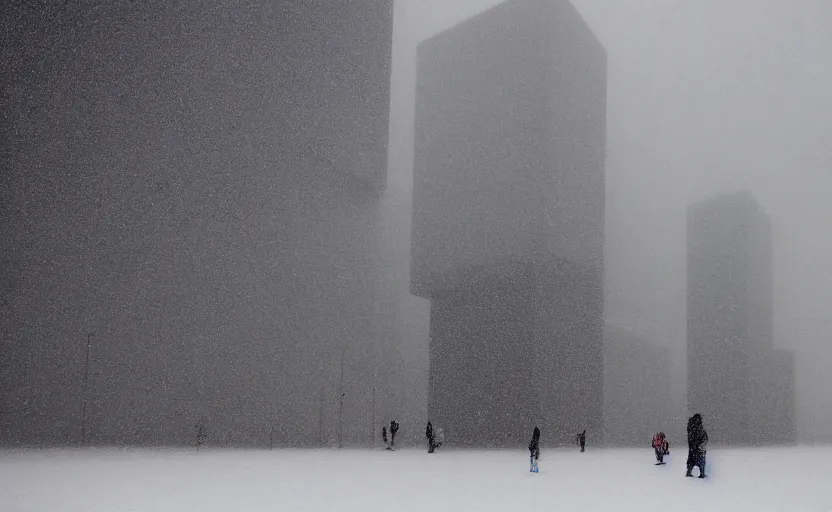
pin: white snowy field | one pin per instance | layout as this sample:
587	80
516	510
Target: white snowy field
787	479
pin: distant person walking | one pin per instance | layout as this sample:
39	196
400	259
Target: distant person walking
582	440
429	434
661	447
439	439
697	445
534	451
394	427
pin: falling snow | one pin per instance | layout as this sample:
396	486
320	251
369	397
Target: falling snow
282	225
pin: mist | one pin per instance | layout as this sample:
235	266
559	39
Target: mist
707	98
223	248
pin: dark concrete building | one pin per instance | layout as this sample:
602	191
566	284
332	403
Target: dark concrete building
638	398
194	189
508	223
733	370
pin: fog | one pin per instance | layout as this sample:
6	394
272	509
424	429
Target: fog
706	98
218	283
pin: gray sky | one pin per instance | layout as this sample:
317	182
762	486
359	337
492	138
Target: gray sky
705	96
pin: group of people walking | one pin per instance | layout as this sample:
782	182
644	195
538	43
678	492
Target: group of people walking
391	443
697	444
534	448
434	438
697	447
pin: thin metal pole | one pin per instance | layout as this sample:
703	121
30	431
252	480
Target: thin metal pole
373	422
86	391
341	401
321	420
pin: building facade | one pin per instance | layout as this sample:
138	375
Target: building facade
638	397
192	232
733	369
508	223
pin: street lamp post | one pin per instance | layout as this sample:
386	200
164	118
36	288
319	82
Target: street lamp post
321	418
373	415
341	401
86	391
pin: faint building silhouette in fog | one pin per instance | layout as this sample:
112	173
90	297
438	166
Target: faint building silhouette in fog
736	379
638	394
199	187
772	416
508	223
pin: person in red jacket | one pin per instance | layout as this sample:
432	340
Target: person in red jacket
661	447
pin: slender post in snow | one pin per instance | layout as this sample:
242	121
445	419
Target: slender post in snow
321	420
341	401
373	420
86	391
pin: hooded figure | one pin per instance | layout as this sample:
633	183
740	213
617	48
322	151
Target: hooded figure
697	445
394	427
582	440
534	450
429	434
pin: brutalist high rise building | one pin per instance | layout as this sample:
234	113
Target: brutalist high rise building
508	223
742	385
191	232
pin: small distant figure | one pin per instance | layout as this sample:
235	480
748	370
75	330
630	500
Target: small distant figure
431	438
200	436
582	440
697	445
435	439
394	427
384	437
534	451
661	447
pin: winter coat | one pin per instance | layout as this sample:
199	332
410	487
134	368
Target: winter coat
660	443
394	427
429	431
534	444
697	436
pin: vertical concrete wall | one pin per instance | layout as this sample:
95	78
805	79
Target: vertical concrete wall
508	219
197	186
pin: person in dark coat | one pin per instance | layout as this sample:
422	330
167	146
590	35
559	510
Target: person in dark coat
697	445
384	437
534	450
394	427
582	440
431	438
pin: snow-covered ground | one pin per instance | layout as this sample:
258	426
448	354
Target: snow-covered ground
787	479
